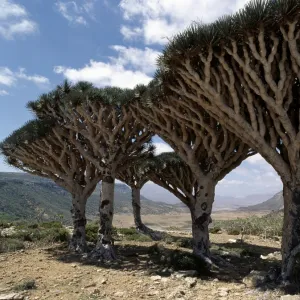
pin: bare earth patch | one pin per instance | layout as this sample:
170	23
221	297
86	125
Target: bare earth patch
140	273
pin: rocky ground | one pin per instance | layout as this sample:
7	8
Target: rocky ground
144	271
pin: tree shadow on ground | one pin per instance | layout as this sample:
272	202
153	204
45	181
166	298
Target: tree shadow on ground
164	258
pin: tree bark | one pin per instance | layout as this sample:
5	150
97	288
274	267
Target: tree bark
291	231
136	206
78	240
201	218
104	248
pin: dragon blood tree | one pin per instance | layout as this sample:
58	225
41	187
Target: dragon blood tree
209	149
115	139
136	175
169	171
244	70
41	149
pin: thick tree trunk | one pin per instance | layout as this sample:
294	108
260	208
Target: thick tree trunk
136	206
78	240
291	231
201	218
104	248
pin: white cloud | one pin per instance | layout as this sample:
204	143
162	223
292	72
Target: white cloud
104	74
37	79
162	147
14	20
9	78
160	20
143	60
253	176
130	67
256	159
76	12
6	76
3	93
130	33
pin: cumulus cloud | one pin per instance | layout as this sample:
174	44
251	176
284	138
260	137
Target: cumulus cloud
14	20
9	77
160	20
130	67
76	12
139	59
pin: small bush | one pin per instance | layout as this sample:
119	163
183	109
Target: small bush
131	234
26	285
215	229
52	224
59	235
185	242
91	231
10	245
187	261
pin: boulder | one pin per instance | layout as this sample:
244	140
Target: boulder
12	296
255	279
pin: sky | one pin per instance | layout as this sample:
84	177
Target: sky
106	42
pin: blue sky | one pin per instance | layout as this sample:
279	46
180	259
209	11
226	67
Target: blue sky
108	43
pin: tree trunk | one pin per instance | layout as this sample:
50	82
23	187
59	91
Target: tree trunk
201	218
136	206
291	231
104	248
78	240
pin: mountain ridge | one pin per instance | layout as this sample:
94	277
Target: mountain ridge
32	197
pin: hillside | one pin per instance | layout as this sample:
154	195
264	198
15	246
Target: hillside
273	204
24	196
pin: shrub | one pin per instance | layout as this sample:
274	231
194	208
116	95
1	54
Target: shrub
215	229
187	261
185	242
269	226
26	285
91	231
131	234
10	244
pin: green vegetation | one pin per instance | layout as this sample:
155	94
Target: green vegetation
119	234
27	197
20	232
10	245
28	284
269	226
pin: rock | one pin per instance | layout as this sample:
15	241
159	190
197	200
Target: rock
223	292
272	256
290	297
191	281
255	279
233	241
104	281
186	273
73	265
153	293
12	296
90	285
119	294
155	278
7	232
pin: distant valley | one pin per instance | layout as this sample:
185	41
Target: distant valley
23	196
